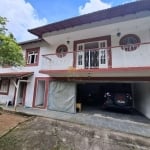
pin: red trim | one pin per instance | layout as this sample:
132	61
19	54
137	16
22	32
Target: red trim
131	44
37	49
107	38
6	66
61	54
97	70
86	79
144	43
16	74
46	79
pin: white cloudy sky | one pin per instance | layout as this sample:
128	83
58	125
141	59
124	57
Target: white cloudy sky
27	14
21	16
93	5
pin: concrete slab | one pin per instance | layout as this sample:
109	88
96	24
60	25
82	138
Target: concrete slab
121	124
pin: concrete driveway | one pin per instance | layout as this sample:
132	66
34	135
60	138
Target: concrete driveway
133	124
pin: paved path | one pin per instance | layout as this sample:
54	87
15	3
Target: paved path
99	120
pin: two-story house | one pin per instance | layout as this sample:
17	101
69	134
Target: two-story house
81	58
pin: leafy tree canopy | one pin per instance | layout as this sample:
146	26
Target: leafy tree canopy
10	51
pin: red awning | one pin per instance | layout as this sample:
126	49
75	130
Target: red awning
16	74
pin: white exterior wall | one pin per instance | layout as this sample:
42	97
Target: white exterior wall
137	58
142	98
30	92
55	62
4	98
120	58
44	49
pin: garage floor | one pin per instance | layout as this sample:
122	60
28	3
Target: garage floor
128	116
92	94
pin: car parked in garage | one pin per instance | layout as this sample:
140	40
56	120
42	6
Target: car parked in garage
118	101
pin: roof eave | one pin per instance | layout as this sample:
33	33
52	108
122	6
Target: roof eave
118	11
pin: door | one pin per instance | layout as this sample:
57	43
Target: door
22	93
80	56
103	55
92	55
40	99
103	60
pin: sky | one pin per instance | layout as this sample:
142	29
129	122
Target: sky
27	14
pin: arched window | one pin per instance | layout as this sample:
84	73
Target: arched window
61	51
130	42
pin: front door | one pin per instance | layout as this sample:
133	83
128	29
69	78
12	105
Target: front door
92	55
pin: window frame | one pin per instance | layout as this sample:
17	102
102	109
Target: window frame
96	49
28	56
129	46
61	54
7	88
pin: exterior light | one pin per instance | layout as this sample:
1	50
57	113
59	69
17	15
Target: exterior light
118	34
68	42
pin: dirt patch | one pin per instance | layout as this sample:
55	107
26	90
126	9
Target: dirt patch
42	133
9	120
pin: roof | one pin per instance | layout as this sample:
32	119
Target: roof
122	10
16	74
30	41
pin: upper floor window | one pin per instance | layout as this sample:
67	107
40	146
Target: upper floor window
61	51
32	56
4	86
92	54
130	42
92	45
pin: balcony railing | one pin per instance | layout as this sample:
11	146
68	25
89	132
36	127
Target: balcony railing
95	58
53	62
100	58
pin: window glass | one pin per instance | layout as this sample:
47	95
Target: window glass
103	44
4	85
91	45
61	51
130	42
32	56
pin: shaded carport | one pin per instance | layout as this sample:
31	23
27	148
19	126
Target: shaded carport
137	77
92	93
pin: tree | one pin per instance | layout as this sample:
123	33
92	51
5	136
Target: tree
10	51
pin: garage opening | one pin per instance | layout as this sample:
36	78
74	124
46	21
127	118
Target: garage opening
92	96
